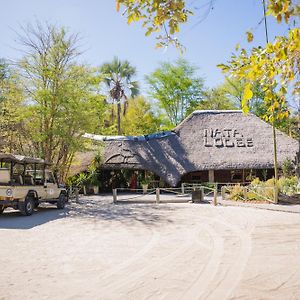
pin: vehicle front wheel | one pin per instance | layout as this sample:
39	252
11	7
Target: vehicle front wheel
1	209
27	206
61	202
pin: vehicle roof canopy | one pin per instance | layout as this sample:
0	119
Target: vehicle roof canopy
7	157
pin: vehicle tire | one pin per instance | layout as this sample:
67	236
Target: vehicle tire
61	202
27	206
67	198
1	209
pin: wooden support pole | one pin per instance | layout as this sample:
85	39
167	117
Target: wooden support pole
157	196
202	193
223	189
275	194
114	195
182	188
76	190
245	192
211	176
215	202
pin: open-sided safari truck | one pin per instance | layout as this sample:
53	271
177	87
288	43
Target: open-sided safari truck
26	182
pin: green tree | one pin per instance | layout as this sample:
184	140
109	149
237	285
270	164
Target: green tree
276	69
61	96
139	118
233	89
118	79
11	115
176	88
216	99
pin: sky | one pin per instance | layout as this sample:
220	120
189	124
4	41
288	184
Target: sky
209	38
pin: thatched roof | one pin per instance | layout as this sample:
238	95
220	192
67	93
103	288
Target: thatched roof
20	159
81	162
216	140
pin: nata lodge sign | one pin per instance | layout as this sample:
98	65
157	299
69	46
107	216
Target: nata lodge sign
226	138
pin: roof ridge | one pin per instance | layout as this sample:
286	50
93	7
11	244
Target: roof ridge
203	112
136	138
219	111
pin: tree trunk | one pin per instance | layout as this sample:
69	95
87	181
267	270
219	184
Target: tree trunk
298	153
119	117
275	164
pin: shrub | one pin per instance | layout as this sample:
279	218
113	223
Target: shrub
253	196
270	182
288	185
263	190
236	192
255	182
288	168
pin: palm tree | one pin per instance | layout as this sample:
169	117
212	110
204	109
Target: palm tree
118	78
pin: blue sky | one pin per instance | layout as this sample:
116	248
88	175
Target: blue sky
105	33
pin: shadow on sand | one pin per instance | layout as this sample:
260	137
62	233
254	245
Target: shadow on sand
12	219
95	208
148	214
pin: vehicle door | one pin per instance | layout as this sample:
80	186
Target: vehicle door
39	185
51	186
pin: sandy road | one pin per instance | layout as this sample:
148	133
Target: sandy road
97	250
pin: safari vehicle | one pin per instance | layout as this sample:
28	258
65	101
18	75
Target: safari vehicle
26	182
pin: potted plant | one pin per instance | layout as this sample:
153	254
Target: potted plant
94	182
82	181
145	183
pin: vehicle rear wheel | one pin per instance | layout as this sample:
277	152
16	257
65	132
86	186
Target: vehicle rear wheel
61	202
27	206
1	209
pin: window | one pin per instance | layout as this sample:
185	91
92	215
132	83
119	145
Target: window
237	175
49	177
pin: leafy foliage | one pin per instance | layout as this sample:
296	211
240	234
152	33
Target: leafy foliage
140	119
118	78
286	185
176	88
11	103
236	192
157	15
225	96
60	95
169	15
275	68
288	168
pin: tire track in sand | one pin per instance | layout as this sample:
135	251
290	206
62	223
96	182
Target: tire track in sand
134	276
160	293
210	285
208	273
139	254
226	284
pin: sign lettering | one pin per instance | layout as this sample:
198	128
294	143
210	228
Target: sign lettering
226	137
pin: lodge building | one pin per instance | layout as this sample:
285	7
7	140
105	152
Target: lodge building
208	146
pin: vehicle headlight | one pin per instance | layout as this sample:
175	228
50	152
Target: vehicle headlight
9	192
